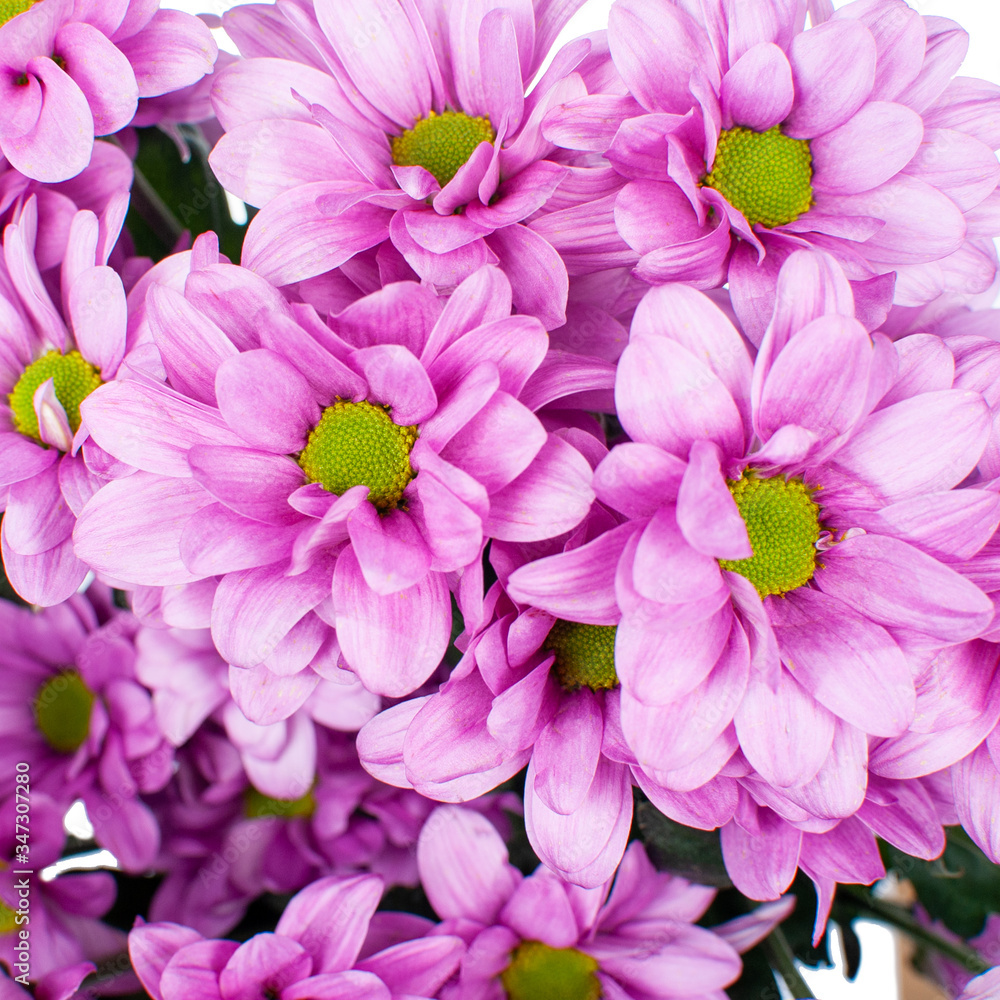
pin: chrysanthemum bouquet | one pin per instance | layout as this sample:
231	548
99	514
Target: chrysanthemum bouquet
549	553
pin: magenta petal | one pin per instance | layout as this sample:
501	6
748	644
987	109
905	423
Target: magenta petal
97	308
151	946
784	733
577	585
419	967
896	585
194	970
671	736
393	642
542	893
706	512
538	278
396	379
977	798
657	666
349	985
267	963
173	50
218	540
266	401
21	458
451	529
833	66
908	818
254	609
390	550
757	90
637	479
329	919
762	864
463	865
265	698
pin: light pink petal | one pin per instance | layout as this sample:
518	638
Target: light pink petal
867	150
329	919
656	47
927	443
151	946
156	510
537	273
419	967
48	578
254	609
393	642
848	853
667	737
194	969
463	865
784	733
833	66
396	379
451	528
400	314
668	397
567	752
542	894
846	661
904	814
757	90
60	143
838	787
637	479
37	516
293	238
946	48
576	585
103	72
961	166
98	313
552	496
152	427
586	845
762	864
266	698
706	511
389	548
658	666
896	585
218	540
172	51
266	401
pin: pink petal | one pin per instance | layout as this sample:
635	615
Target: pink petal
763	864
757	90
389	548
706	512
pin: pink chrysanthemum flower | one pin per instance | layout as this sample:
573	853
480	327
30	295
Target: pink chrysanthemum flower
745	137
529	937
72	69
330	475
312	952
61	916
407	125
75	713
796	568
51	358
106	177
536	687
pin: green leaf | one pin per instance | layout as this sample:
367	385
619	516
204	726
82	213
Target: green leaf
681	850
961	888
170	196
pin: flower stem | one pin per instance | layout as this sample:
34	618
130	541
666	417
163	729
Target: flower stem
779	954
898	916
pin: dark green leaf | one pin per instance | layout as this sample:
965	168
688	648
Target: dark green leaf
682	850
170	196
961	888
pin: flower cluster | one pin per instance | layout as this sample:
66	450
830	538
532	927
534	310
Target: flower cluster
580	427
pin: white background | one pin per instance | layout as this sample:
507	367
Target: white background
981	18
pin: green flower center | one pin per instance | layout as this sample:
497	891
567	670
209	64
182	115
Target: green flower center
441	143
62	711
538	972
357	444
11	8
585	655
766	175
257	804
8	923
783	524
73	379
